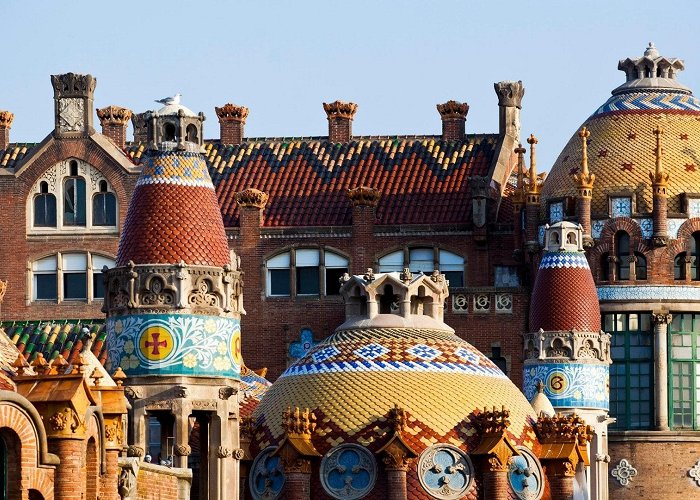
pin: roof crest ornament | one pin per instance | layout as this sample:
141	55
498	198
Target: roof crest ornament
651	71
660	177
585	179
535	181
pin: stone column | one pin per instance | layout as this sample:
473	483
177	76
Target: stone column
661	321
182	410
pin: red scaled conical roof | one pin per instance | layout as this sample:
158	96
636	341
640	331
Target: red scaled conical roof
564	296
174	214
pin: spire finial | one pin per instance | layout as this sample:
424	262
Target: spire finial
659	178
534	181
585	179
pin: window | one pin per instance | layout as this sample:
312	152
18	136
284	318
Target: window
424	260
679	266
104	207
506	276
684	397
631	372
44	207
87	201
315	272
69	276
694	256
640	266
622	248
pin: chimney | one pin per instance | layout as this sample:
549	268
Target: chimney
114	121
232	121
454	115
73	102
510	98
340	116
5	124
138	120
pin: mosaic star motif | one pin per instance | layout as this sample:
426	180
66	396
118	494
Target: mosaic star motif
371	351
423	351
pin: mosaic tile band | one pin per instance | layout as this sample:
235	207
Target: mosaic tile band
177	167
164	344
651	101
558	260
651	292
570	385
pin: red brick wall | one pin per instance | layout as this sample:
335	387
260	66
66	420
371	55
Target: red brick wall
662	468
70	484
154	485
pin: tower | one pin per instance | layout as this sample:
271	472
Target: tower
173	305
565	348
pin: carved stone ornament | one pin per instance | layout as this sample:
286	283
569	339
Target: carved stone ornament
623	472
661	318
6	119
525	475
181	391
134	451
231	113
510	93
369	275
406	275
266	479
348	471
694	472
226	392
223	452
364	196
183	450
493	422
58	421
204	405
114	115
114	433
127	484
340	109
453	109
133	392
71	114
445	472
253	198
73	84
238	454
203	296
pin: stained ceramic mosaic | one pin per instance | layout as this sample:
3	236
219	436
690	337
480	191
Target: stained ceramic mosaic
559	260
180	168
570	385
651	292
649	101
164	344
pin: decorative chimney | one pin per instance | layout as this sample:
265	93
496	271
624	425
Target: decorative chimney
232	121
510	98
139	121
340	116
73	102
454	116
114	120
6	119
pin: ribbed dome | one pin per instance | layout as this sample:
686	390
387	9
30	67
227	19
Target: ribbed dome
621	145
174	214
353	379
564	296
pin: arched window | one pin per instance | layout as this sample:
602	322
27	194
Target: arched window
169	132
104	207
74	198
694	256
192	133
423	259
44	207
622	248
679	266
315	272
10	464
640	266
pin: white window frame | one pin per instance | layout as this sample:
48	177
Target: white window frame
444	260
318	257
93	268
55	177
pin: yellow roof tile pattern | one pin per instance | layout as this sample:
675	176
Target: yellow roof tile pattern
621	155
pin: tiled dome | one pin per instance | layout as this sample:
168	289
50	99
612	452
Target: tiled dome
174	214
564	296
621	144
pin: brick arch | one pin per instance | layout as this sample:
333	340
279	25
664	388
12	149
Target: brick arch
684	233
18	415
595	255
626	224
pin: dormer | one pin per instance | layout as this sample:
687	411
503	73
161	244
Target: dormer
404	295
564	237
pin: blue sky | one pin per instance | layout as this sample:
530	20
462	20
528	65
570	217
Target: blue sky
395	59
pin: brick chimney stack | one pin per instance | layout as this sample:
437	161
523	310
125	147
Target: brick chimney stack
114	121
454	116
6	119
340	116
232	121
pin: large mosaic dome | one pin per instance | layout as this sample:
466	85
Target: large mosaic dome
374	363
622	143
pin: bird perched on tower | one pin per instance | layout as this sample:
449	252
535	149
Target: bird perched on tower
170	100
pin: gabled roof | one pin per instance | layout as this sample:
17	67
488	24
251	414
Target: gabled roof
422	179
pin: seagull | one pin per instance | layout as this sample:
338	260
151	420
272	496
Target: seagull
170	100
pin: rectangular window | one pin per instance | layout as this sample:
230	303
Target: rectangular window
631	373
74	276
391	263
307	261
506	276
452	266
104	210
45	286
684	349
45	210
422	259
74	201
278	281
